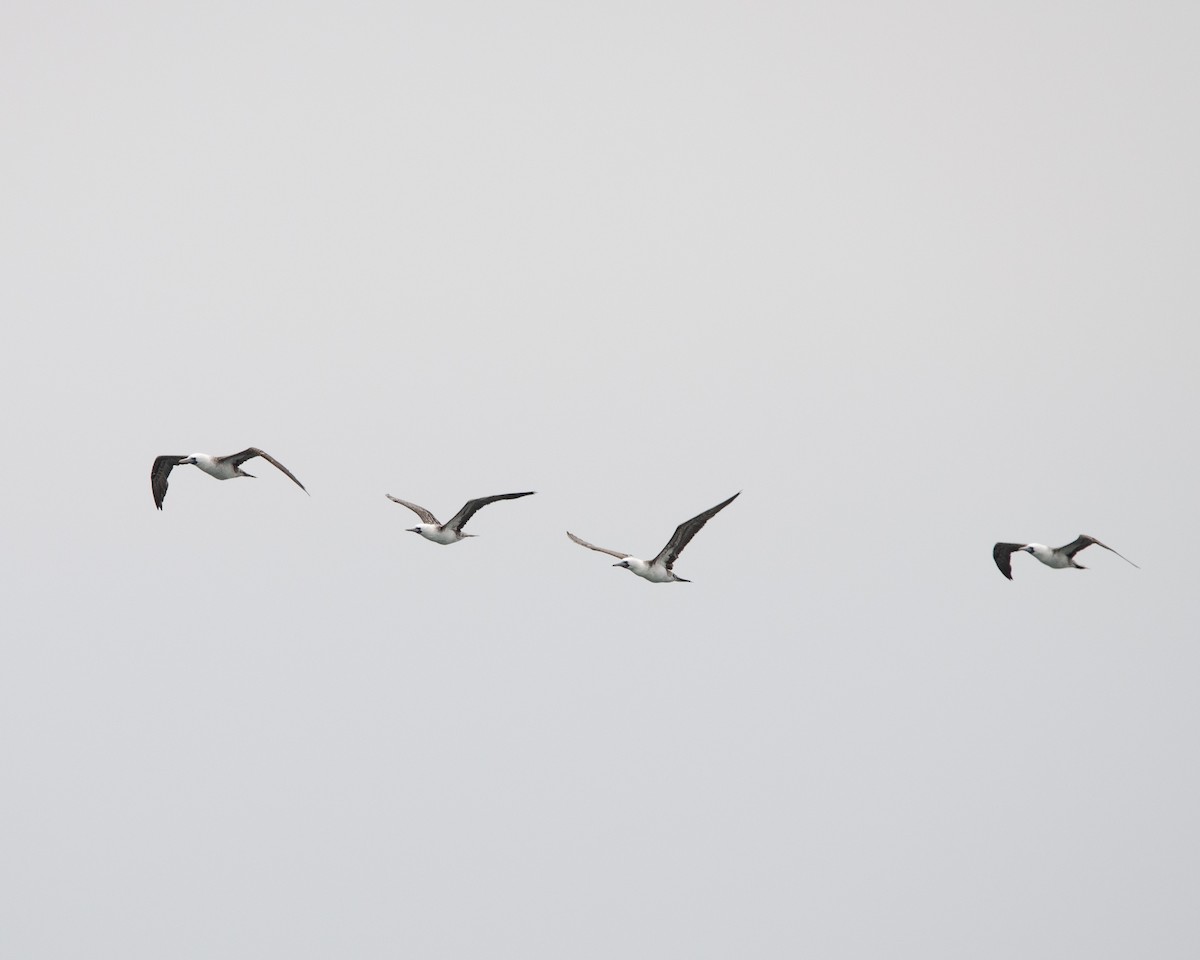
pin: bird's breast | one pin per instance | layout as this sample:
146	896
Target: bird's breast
222	471
444	537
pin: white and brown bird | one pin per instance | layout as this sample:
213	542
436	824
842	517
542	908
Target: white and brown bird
1058	557
223	468
451	531
660	569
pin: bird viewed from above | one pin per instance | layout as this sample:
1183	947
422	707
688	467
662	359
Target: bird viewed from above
223	468
1057	557
660	569
451	531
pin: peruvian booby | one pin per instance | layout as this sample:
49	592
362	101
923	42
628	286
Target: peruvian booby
659	570
1057	557
451	531
223	468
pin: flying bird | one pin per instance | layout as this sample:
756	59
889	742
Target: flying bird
660	569
223	468
451	531
1057	557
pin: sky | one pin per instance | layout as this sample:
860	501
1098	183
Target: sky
913	277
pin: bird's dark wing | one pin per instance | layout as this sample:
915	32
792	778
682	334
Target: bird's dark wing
1002	554
425	515
1082	541
237	459
158	475
1076	545
468	511
592	546
686	530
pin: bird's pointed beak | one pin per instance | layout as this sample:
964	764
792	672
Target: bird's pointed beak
413	530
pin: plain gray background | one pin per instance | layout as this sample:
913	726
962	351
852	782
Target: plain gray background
915	277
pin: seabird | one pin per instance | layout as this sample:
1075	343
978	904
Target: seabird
659	570
223	468
451	532
1057	557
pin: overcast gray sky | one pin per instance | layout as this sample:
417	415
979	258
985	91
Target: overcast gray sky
914	277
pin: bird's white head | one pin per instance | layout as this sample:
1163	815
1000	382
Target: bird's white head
636	566
419	528
188	459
